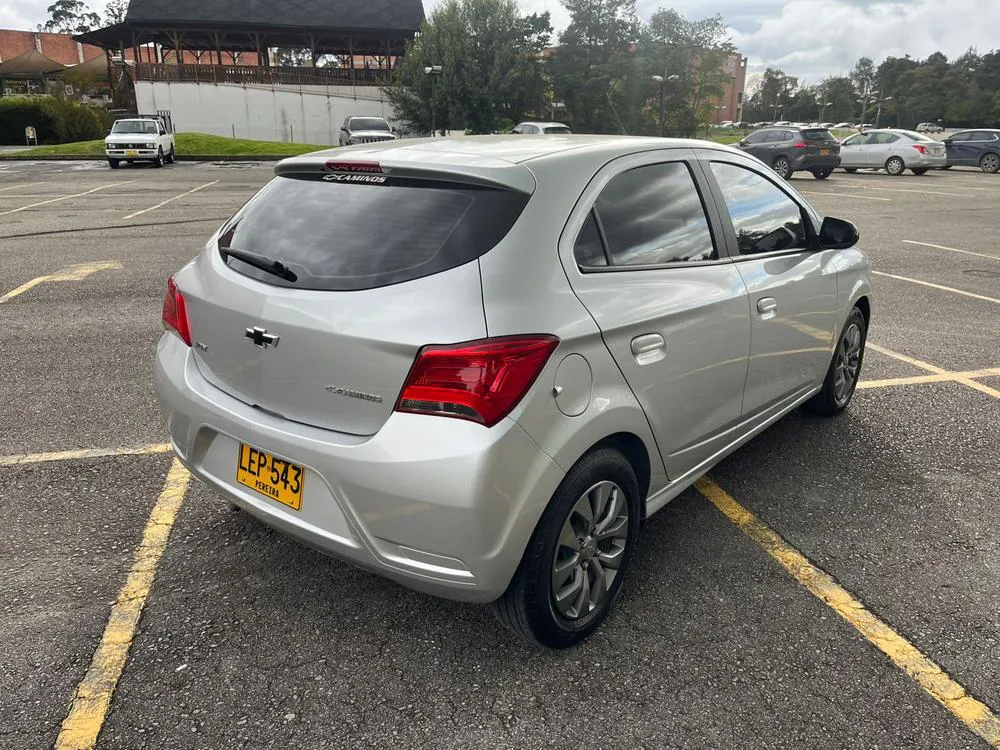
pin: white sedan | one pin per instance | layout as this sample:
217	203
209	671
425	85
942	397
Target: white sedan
892	150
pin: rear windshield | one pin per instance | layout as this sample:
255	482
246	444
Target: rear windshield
344	236
817	134
369	123
557	130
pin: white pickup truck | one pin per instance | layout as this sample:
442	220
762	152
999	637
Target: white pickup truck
141	138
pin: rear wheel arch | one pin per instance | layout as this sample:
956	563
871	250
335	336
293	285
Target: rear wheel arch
864	305
634	450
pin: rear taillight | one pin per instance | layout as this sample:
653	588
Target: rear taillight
175	312
801	144
481	381
921	148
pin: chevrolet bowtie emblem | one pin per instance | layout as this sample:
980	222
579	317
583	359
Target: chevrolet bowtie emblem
260	337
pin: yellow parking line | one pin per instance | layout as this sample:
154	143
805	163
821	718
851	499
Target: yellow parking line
938	378
37	458
168	200
957	377
975	715
73	273
937	286
953	249
63	198
90	702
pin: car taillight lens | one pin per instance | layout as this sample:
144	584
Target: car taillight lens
921	148
481	381
175	312
801	145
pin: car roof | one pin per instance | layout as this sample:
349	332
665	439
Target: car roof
497	159
541	124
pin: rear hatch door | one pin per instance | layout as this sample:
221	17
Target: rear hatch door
380	265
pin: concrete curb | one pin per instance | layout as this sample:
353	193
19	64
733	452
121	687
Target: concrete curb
186	157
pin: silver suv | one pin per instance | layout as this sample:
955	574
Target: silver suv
477	365
365	129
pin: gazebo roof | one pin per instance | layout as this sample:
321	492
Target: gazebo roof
30	64
335	26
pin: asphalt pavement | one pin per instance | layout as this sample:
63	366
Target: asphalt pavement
249	639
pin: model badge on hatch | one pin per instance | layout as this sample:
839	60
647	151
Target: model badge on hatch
340	391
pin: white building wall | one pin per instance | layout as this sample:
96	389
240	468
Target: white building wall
303	114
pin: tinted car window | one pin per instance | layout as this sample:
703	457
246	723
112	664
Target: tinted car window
343	235
817	136
557	130
589	250
758	137
764	217
773	136
883	139
654	215
369	123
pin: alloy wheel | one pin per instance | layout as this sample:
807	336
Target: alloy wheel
781	166
990	163
590	550
895	166
848	362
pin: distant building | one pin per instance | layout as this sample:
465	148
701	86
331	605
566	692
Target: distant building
731	102
59	47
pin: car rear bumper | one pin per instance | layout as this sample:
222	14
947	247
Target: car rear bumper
440	505
815	161
927	161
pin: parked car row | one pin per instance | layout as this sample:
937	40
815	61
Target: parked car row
810	149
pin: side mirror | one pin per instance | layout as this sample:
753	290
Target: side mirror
837	234
343	128
742	144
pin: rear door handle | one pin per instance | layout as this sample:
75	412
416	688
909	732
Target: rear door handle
648	348
767	307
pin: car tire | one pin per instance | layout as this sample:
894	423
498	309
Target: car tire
783	167
113	163
895	166
948	166
529	606
845	368
850	170
919	171
822	174
171	158
158	161
990	163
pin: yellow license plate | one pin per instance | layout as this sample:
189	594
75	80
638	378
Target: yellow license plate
824	152
270	476
131	152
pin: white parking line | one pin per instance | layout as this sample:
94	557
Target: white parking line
953	249
63	198
168	200
903	190
937	286
845	195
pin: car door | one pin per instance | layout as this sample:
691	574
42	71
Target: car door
854	151
792	288
672	308
974	147
755	144
880	147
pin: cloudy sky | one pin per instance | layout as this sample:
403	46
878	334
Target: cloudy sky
806	38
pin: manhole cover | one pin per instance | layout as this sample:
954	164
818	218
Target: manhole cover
982	272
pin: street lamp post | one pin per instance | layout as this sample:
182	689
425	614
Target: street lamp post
878	114
775	109
433	71
663	85
822	111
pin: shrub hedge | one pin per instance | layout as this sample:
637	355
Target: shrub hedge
55	119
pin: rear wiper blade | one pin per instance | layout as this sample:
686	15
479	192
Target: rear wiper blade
268	265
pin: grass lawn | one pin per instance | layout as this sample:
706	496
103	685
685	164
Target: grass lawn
187	143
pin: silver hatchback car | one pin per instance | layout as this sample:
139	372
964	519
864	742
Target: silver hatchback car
477	365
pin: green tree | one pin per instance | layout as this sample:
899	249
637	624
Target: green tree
71	17
773	93
594	67
490	70
115	11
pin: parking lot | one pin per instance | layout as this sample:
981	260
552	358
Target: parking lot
248	639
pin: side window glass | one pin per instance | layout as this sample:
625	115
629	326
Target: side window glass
774	136
889	137
788	135
653	215
589	250
764	217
